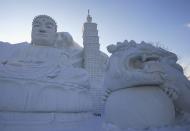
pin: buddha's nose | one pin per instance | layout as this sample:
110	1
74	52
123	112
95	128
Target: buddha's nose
42	31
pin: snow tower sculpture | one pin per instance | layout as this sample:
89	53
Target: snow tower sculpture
94	62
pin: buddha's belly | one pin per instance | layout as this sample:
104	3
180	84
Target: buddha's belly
139	107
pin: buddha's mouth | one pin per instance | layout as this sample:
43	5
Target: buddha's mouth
42	34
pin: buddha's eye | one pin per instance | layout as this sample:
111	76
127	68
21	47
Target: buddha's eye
37	24
49	25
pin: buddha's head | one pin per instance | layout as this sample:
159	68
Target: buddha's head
44	30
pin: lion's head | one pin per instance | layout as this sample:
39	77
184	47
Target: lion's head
135	65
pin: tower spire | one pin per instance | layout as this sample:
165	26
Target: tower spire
89	18
88	12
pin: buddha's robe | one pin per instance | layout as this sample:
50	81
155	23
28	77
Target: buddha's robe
39	78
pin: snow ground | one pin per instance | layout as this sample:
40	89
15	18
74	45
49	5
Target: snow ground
91	124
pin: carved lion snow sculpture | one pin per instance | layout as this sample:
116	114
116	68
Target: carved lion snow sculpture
144	86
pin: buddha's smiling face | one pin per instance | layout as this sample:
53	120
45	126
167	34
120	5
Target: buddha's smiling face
44	31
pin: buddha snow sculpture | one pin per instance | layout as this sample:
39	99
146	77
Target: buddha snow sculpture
144	86
39	77
44	30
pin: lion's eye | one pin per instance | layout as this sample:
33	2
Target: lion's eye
136	62
151	59
139	61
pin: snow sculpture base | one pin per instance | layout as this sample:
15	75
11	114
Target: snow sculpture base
41	118
42	121
139	107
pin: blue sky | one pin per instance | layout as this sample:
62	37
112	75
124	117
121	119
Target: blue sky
158	21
